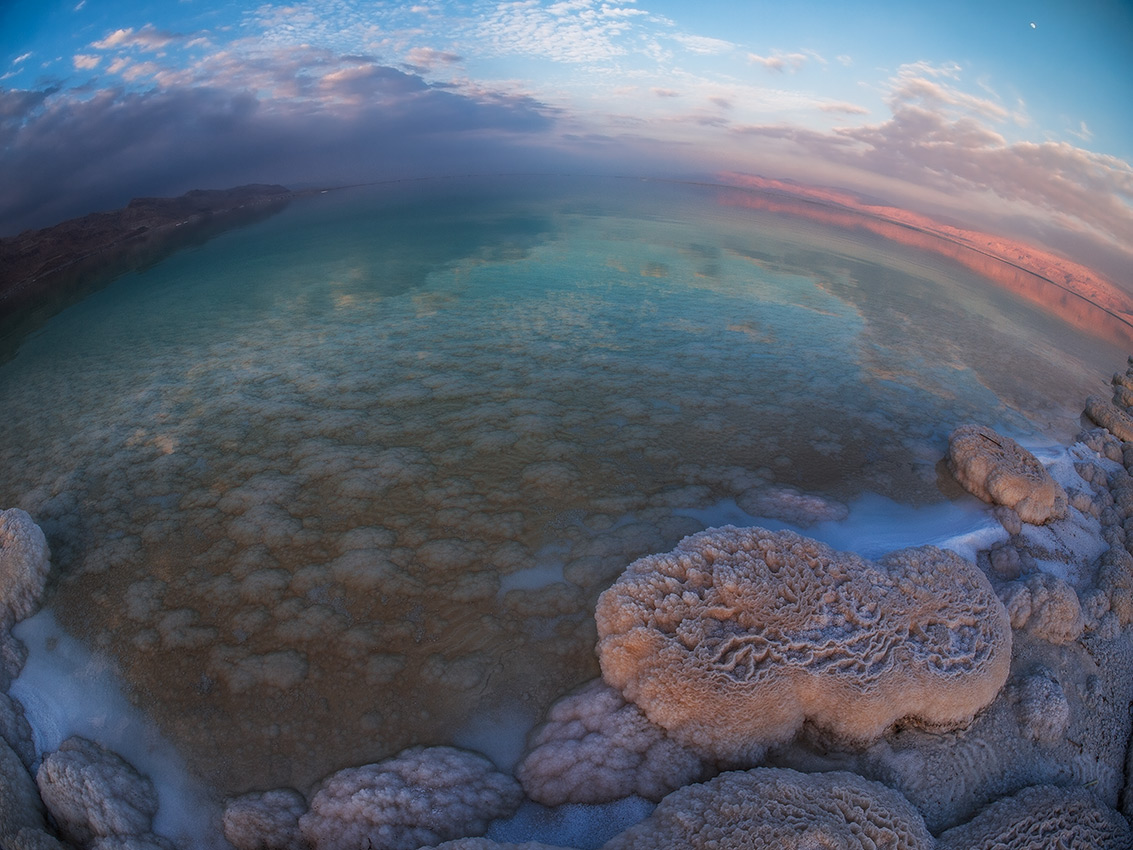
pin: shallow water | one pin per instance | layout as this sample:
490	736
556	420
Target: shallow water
351	479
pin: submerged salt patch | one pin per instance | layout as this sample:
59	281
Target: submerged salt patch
66	691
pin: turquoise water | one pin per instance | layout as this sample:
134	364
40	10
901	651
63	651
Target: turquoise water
352	478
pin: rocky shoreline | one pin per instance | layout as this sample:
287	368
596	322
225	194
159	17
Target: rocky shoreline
44	271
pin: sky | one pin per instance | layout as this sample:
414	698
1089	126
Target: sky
1009	114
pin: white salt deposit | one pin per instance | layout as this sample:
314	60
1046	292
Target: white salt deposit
67	690
876	524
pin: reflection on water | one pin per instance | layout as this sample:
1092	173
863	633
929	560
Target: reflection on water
352	478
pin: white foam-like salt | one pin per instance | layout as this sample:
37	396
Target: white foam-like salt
67	690
876	525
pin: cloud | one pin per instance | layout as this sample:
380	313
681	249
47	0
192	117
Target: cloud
666	92
68	155
570	31
427	58
779	62
703	44
85	62
21	58
1082	132
943	139
844	108
146	38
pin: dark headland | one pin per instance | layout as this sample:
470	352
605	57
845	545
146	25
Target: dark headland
44	271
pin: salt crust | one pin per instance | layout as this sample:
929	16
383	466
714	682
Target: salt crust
1042	818
736	637
768	807
24	564
996	469
595	747
265	820
421	797
93	793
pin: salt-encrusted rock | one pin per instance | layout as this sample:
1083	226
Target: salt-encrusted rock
1123	397
738	636
1041	706
265	820
24	564
1046	606
996	469
1115	579
20	806
1105	413
595	747
15	730
27	838
769	807
419	798
1042	817
93	793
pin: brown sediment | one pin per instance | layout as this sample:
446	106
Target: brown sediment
1075	293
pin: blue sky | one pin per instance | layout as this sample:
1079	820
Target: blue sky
1018	113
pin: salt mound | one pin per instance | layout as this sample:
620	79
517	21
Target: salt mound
768	807
996	469
265	820
1042	817
738	636
595	747
419	798
93	793
1110	416
24	563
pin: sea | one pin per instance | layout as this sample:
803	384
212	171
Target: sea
350	479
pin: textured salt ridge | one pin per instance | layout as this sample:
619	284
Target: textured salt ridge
739	636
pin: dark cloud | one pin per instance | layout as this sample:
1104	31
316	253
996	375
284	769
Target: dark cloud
67	156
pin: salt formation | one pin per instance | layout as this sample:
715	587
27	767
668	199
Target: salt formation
94	794
1114	419
998	470
735	638
595	747
768	807
1042	817
24	564
265	820
1041	706
20	804
421	797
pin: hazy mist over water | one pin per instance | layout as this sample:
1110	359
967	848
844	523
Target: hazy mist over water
351	479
